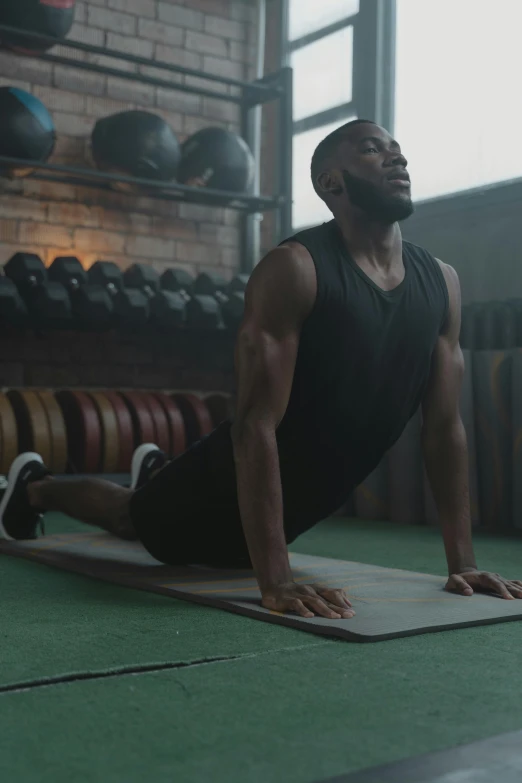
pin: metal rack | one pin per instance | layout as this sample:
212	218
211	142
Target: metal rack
247	95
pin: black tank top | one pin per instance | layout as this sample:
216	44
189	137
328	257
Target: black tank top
362	367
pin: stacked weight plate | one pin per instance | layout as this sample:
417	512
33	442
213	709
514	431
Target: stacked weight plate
96	431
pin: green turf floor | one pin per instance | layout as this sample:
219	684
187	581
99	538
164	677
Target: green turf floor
287	706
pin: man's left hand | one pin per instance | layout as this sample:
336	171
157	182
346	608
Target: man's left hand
467	582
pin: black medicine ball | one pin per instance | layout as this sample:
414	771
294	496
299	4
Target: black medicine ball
138	144
47	17
217	158
26	128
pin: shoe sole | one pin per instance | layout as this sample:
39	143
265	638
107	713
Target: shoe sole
14	470
137	459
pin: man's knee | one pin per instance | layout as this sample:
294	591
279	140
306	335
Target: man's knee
123	528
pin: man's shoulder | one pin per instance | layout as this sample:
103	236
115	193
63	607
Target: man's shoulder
416	249
420	253
310	232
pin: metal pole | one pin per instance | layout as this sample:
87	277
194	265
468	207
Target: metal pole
285	154
251	128
246	262
285	130
257	217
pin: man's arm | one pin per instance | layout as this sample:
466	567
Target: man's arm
280	294
445	452
444	438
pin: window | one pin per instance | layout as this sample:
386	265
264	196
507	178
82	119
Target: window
308	209
456	104
306	16
320	52
314	91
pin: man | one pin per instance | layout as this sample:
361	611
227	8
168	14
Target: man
347	330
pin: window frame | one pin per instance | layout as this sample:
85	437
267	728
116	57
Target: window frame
373	67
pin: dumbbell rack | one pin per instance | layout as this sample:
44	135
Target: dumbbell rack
248	95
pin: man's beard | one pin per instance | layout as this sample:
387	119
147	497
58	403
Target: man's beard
373	202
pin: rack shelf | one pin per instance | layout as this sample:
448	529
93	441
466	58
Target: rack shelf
167	191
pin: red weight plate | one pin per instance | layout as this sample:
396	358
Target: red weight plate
125	429
142	422
8	434
161	425
33	427
176	424
196	416
219	406
84	432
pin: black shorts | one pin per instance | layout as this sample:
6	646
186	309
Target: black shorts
182	518
188	513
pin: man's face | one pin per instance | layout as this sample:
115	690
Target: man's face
374	173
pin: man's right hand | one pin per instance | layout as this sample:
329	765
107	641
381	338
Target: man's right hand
308	600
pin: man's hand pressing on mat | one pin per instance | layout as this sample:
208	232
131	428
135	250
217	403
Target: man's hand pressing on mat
468	582
445	451
308	601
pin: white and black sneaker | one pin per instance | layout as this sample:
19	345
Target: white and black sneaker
146	460
19	520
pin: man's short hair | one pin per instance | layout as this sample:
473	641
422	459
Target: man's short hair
327	147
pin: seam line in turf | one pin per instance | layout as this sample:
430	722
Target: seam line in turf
123	671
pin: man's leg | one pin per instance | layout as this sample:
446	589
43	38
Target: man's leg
90	500
31	491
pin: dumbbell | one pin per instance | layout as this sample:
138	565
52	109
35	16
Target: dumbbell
130	306
202	311
229	295
234	309
167	308
178	281
13	311
47	302
91	305
238	283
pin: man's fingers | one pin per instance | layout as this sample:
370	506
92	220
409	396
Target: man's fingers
495	584
320	608
334	596
298	606
457	584
515	588
344	611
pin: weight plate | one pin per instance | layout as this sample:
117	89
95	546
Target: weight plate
8	434
84	433
161	425
57	429
125	429
33	428
110	441
142	422
176	424
195	415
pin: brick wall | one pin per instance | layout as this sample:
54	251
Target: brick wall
63	359
211	35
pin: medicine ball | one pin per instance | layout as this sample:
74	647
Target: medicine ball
26	129
47	17
216	158
137	144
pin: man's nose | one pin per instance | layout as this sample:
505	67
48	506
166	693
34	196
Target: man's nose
397	159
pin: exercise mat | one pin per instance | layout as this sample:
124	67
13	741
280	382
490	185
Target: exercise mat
389	602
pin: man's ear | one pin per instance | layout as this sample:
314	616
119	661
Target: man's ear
330	182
